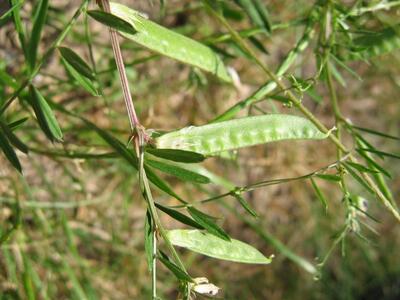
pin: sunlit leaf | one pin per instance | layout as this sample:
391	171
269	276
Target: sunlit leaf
210	245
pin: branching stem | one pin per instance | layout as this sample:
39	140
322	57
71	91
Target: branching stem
140	141
298	104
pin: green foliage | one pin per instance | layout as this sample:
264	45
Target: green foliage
45	116
178	172
37	28
76	62
210	245
208	223
82	199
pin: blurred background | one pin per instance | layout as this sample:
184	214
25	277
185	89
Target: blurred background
81	232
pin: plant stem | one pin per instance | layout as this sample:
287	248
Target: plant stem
267	88
133	119
139	139
298	104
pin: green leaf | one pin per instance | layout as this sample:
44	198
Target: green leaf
85	82
14	140
257	226
208	244
381	153
377	43
17	123
45	116
329	177
359	179
371	131
119	147
170	43
112	21
258	44
7	80
161	184
373	164
148	240
213	138
365	144
245	205
257	12
319	194
177	155
208	223
9	152
125	153
37	29
179	216
178	172
76	62
361	168
19	27
178	272
336	73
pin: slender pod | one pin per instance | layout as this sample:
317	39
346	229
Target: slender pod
214	138
169	43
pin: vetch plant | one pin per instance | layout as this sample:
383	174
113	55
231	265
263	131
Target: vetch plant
329	26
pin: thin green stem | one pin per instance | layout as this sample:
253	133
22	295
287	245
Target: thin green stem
139	138
298	104
296	101
267	88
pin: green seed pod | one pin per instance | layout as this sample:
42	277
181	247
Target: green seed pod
214	138
169	43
